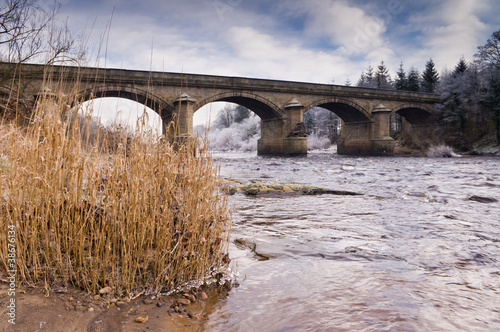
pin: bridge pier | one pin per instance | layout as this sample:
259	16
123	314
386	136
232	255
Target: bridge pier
355	138
295	141
382	142
368	138
182	118
284	136
184	109
271	137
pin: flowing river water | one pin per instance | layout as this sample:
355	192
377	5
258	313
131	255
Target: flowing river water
419	250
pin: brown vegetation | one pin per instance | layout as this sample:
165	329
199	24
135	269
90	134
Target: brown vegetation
138	216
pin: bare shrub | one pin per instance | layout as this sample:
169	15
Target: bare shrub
441	150
315	142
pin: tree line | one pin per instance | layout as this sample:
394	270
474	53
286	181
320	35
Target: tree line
411	81
469	111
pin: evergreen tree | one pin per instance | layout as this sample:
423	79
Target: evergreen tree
401	82
370	78
430	77
362	80
348	82
413	83
461	67
382	77
367	79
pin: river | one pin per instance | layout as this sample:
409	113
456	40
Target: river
419	250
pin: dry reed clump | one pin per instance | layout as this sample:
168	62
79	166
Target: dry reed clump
144	219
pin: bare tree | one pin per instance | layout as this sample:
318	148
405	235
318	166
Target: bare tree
488	58
489	54
31	33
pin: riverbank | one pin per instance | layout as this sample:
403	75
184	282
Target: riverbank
71	309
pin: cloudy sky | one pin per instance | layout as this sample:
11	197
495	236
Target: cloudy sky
321	41
304	40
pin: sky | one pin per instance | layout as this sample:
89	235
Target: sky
320	41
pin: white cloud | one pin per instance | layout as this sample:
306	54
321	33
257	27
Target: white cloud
311	40
346	26
450	30
283	59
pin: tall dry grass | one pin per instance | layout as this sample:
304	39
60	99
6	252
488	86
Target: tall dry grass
142	217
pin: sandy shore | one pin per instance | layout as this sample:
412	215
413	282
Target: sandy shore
73	310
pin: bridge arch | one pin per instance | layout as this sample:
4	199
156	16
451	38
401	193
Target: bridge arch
347	110
155	103
415	114
264	108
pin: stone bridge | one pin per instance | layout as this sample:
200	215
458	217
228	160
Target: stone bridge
365	112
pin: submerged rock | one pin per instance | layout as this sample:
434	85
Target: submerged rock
482	199
320	191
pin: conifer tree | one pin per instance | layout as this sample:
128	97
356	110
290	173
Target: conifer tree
362	80
461	67
370	77
430	77
413	83
401	82
382	78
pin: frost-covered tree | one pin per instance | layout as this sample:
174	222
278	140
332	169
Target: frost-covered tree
489	54
430	77
235	128
231	114
488	59
492	103
224	118
461	110
321	122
